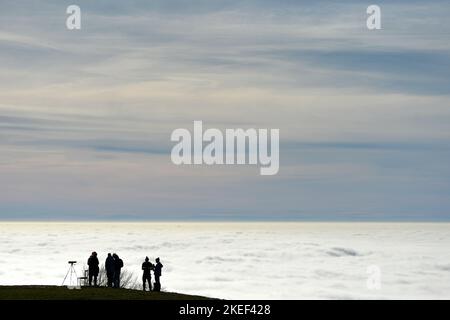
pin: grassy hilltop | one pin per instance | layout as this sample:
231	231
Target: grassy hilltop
86	293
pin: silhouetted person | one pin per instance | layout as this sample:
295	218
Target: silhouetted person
109	266
93	268
118	264
147	276
157	272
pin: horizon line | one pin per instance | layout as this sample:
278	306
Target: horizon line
224	221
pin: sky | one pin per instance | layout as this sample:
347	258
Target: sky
86	115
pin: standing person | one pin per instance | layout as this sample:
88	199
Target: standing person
147	276
157	272
93	268
118	264
109	266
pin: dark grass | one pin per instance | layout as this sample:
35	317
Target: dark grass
86	293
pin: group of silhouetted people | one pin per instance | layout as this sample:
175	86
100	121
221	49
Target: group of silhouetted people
147	267
113	266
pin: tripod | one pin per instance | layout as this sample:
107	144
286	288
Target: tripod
72	274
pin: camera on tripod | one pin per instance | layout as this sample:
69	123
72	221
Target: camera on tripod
71	276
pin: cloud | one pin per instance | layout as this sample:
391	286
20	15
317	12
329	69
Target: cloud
86	116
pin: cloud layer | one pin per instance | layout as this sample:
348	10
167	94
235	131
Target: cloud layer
287	260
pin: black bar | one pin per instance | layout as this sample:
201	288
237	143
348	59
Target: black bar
228	309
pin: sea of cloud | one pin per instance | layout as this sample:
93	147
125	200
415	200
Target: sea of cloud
244	260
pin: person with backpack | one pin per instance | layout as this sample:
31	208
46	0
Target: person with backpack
118	265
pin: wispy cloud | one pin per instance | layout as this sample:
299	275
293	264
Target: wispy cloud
86	116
